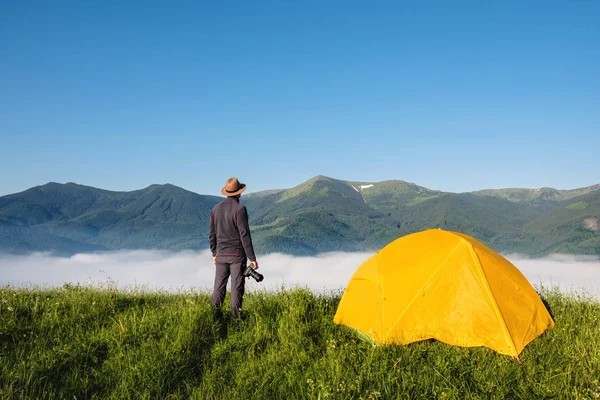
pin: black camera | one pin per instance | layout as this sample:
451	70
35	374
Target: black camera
250	272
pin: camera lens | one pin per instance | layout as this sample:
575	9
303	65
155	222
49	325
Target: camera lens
257	277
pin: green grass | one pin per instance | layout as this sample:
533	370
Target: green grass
580	205
419	200
82	343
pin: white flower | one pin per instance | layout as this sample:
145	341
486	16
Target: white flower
10	309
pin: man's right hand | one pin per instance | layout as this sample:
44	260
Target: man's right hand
254	264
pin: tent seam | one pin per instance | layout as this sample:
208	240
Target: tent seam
488	290
381	294
420	290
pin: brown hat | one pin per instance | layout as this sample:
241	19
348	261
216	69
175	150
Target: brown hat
233	187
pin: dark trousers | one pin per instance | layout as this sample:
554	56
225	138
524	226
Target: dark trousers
235	267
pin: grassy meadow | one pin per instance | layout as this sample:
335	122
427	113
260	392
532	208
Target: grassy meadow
76	342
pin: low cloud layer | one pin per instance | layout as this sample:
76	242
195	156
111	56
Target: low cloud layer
187	270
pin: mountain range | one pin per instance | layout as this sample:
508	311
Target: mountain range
322	214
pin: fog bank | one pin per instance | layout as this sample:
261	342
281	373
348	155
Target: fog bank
189	270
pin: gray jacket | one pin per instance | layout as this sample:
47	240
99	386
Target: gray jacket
229	231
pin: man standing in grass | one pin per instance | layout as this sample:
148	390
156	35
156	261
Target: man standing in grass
231	245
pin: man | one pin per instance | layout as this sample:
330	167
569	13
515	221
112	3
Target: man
231	245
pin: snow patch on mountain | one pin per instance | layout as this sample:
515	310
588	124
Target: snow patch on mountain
360	188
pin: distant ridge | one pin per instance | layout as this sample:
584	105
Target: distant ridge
319	215
538	195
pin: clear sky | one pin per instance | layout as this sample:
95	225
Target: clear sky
451	95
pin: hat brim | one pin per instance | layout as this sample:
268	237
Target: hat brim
241	188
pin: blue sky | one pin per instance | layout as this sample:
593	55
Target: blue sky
455	96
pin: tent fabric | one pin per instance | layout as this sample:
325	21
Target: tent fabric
443	285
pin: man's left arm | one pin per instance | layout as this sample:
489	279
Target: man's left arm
212	235
244	229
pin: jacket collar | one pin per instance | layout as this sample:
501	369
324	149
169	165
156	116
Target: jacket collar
233	198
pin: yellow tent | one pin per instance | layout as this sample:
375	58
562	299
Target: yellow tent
446	286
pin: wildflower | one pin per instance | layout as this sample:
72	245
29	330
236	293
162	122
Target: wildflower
10	309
